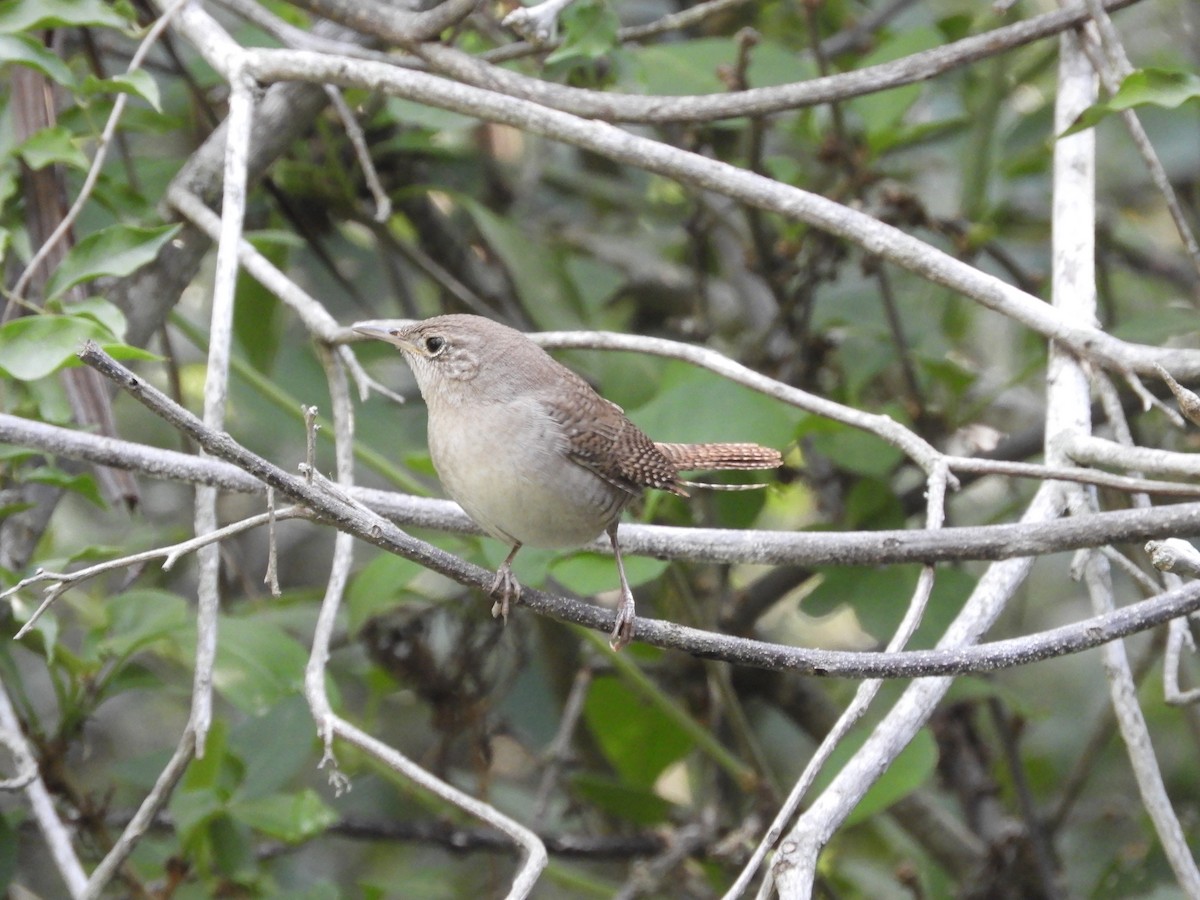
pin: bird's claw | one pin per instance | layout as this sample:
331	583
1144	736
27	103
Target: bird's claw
507	591
623	629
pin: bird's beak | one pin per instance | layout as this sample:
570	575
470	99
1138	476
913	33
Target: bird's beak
383	334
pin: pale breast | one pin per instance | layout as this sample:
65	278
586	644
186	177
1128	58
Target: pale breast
506	465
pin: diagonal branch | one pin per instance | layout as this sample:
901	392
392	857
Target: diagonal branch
956	658
609	106
697	171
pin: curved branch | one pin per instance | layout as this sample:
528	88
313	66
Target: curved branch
41	804
697	171
387	20
659	109
349	516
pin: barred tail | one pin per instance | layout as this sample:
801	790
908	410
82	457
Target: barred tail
697	457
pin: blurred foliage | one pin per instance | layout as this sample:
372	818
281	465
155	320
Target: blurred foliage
544	236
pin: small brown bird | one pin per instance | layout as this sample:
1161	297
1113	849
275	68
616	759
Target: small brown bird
531	452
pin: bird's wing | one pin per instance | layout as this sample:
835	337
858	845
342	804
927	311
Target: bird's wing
602	439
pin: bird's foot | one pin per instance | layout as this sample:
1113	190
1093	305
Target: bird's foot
506	590
622	633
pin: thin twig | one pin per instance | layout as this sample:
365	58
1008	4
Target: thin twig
1113	66
320	324
60	582
612	106
857	708
55	833
102	145
555	758
383	203
143	819
271	577
241	110
700	172
1136	733
329	724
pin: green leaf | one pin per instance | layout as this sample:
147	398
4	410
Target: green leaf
589	32
24	50
851	449
731	412
772	63
11	453
118	250
34	346
908	135
141	771
214	772
636	737
593	573
882	111
596	283
82	484
290	818
31	15
124	351
1166	88
258	664
258	316
1157	326
877	596
133	676
380	586
140	618
104	313
230	843
692	66
638	805
45	630
954	27
872	504
684	67
8	854
10	187
274	748
324	890
52	145
138	83
418	115
538	278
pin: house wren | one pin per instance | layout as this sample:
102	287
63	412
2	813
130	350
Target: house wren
531	452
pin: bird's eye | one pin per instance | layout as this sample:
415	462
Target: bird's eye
434	345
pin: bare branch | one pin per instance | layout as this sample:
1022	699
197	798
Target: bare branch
241	109
154	801
383	203
60	582
607	106
389	21
55	833
330	725
755	190
956	658
882	547
102	145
